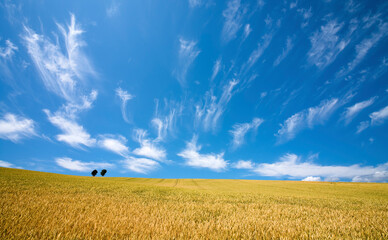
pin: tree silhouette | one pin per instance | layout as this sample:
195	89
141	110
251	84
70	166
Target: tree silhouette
103	171
94	173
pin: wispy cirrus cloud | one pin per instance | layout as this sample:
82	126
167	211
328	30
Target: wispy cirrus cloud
140	165
233	16
9	50
353	111
188	52
376	118
193	158
286	50
195	3
15	128
262	45
216	69
164	120
148	148
125	97
247	31
307	118
113	143
208	113
113	9
63	69
326	44
241	129
291	165
363	48
75	165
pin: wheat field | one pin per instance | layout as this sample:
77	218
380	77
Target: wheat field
36	205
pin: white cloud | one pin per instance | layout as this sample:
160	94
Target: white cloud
290	165
14	128
307	118
195	159
73	133
188	52
71	109
363	48
352	111
305	13
233	15
326	44
256	54
140	165
260	3
243	165
380	176
216	69
76	165
8	51
210	112
289	46
125	97
6	164
312	179
115	144
147	147
113	9
247	31
62	72
195	3
293	4
379	117
362	126
240	130
166	123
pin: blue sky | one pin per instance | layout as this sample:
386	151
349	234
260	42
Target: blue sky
290	90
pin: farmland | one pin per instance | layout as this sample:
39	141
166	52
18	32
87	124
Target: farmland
36	205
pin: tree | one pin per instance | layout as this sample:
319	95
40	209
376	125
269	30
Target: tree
94	173
103	171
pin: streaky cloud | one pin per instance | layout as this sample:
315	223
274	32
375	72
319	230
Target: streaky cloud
241	129
62	72
326	44
8	51
216	69
164	120
233	16
353	111
286	50
307	118
363	48
125	97
208	114
188	52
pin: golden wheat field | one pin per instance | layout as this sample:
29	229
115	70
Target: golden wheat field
36	205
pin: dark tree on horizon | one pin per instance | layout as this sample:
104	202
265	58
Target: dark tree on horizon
103	172
94	173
